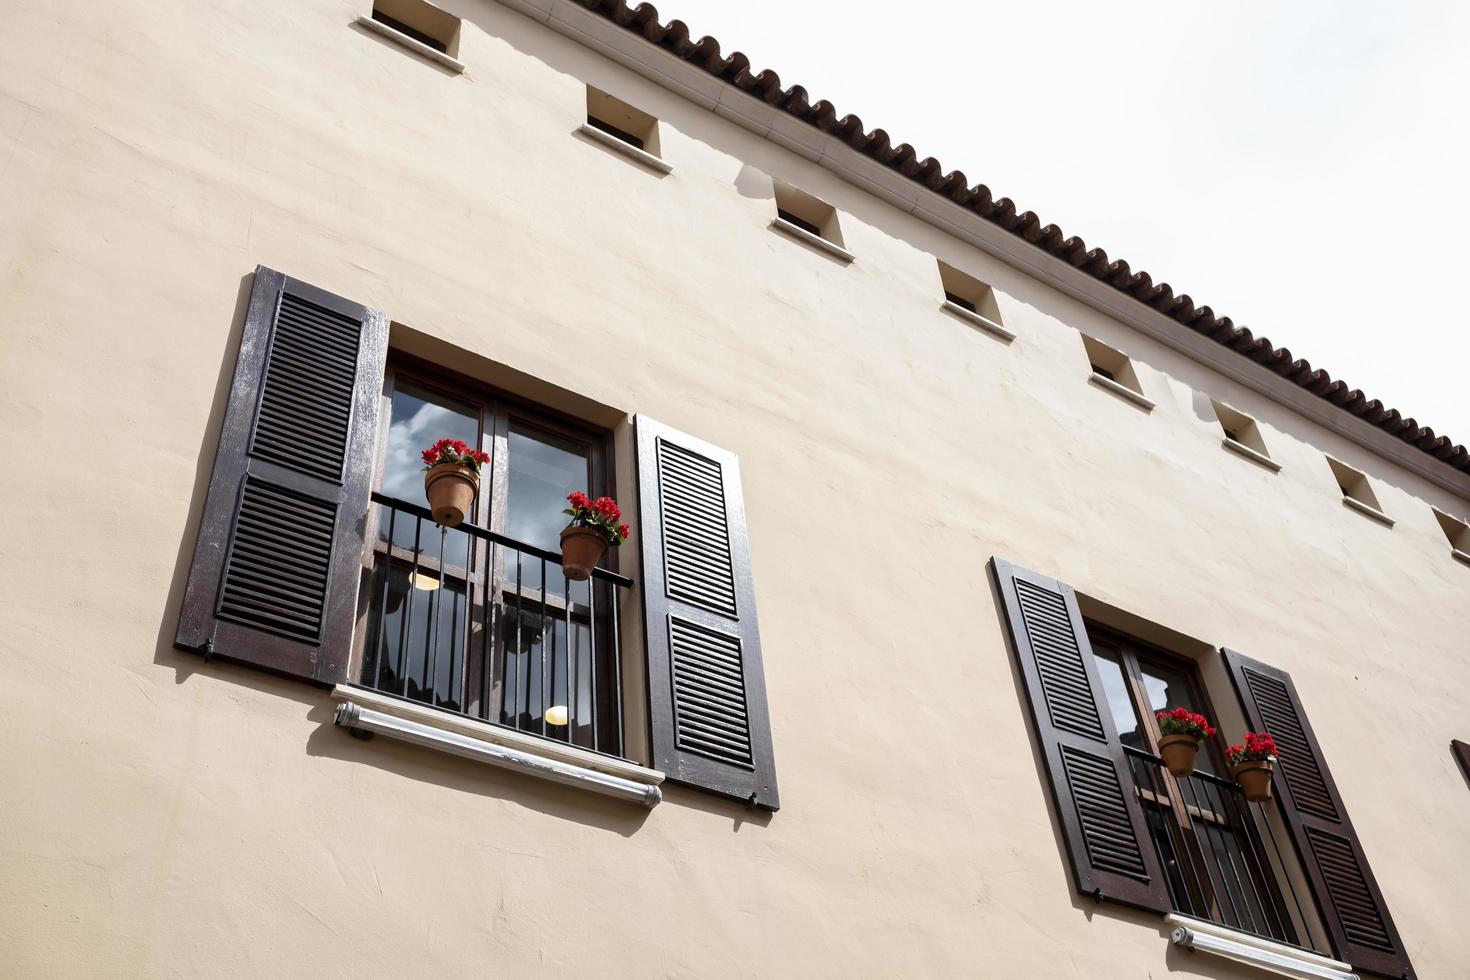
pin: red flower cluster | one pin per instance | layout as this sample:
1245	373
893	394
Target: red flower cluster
602	513
1258	746
454	451
1182	721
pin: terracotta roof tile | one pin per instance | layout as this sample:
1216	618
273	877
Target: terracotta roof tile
766	86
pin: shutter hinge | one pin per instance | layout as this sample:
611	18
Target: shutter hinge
208	649
1097	894
750	802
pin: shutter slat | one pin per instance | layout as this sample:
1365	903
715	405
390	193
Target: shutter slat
1090	784
311	363
708	716
1353	909
277	564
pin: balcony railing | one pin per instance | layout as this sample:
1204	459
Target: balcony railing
1221	854
474	622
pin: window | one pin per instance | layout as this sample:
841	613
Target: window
1357	492
479	623
1289	872
318	560
1113	371
1458	533
620	127
1243	436
418	26
1212	849
972	300
809	220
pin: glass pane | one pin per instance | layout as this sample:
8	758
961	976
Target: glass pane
534	658
420	418
416	638
1169	688
1119	701
542	469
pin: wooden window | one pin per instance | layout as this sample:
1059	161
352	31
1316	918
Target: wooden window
1136	834
1196	823
490	630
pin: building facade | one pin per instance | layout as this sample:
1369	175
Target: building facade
996	499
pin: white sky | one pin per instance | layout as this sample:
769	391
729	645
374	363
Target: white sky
1301	168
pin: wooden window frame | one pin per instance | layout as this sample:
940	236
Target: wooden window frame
1133	655
498	410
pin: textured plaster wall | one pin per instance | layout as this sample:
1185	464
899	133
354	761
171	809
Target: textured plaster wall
166	818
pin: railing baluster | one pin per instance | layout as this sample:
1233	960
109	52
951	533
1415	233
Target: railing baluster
383	603
592	655
406	630
520	615
431	657
617	668
545	694
570	670
487	635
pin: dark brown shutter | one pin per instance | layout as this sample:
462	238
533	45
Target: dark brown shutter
708	719
1112	855
1352	906
275	573
1462	752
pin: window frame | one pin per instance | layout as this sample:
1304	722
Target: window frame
498	410
1132	656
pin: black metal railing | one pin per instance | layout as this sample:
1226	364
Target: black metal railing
1221	854
474	622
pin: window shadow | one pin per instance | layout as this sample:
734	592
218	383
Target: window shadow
184	662
460	775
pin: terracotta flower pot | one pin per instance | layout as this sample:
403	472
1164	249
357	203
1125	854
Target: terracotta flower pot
1254	779
1178	752
450	488
581	549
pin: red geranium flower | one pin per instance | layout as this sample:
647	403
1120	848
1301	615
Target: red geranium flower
602	513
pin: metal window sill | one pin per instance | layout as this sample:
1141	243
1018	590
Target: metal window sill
1271	957
816	241
1251	454
1372	512
1122	391
369	711
626	149
417	47
984	323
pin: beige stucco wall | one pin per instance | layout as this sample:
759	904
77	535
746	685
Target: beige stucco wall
161	817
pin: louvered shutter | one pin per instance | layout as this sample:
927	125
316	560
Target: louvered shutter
1096	804
276	565
708	720
1352	906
